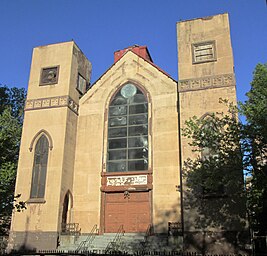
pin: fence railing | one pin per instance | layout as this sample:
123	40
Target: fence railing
174	229
105	253
84	245
70	229
149	232
115	244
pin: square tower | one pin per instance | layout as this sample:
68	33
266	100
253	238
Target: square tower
59	75
206	75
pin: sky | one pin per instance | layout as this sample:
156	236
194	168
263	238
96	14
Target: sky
100	27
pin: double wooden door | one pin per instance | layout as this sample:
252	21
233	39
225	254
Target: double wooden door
130	209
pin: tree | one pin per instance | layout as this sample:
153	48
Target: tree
214	194
227	147
216	138
255	145
11	118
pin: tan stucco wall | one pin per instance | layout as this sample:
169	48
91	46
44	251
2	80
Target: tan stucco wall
198	103
70	60
60	122
163	140
202	30
200	87
41	216
49	56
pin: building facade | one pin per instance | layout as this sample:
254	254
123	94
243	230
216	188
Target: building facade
111	154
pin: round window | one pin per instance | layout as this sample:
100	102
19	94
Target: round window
128	90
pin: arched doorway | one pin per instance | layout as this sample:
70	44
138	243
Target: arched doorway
66	211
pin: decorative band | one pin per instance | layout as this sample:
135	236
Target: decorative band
53	102
206	82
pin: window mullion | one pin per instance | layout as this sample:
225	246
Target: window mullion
38	180
129	103
127	134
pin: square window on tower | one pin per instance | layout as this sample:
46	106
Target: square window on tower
49	75
81	84
203	52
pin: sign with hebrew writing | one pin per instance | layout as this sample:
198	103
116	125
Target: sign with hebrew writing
127	180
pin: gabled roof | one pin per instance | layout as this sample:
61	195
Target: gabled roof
141	51
142	57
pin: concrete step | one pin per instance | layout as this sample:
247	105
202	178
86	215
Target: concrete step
98	242
129	242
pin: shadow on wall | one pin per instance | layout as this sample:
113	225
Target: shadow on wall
164	217
211	224
215	206
24	247
214	199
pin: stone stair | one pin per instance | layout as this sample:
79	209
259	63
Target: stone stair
129	242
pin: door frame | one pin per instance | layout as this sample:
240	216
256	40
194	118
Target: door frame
105	188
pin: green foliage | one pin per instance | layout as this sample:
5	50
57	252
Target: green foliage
213	179
255	144
10	131
11	117
217	170
13	98
226	147
255	107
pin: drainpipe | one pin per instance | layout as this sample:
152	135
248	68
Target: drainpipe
180	156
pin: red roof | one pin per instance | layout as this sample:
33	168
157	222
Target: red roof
141	51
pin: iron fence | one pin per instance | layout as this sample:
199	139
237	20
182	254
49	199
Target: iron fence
105	253
70	229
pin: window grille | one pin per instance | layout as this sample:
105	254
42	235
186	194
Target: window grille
203	52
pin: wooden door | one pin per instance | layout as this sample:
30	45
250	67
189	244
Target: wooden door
132	211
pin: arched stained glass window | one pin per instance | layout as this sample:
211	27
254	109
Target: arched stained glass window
128	131
39	168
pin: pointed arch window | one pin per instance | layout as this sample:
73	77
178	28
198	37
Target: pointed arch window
208	130
39	168
128	131
210	158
